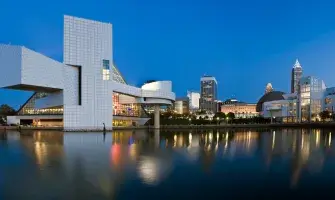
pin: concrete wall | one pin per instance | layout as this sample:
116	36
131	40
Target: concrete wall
12	120
87	43
10	65
39	70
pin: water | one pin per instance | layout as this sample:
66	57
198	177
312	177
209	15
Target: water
250	164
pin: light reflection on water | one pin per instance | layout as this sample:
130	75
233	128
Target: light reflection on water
165	165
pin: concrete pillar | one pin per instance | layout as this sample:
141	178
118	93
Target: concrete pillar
157	137
156	117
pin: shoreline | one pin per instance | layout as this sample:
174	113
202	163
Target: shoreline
192	127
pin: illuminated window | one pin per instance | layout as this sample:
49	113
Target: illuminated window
105	70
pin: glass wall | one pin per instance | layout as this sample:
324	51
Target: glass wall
29	107
124	105
311	94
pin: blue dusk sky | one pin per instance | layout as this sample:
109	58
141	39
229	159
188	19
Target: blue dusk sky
243	43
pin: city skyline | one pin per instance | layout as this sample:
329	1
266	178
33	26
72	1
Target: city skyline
142	43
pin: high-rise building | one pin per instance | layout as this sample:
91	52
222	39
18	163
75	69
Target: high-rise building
193	99
208	95
296	76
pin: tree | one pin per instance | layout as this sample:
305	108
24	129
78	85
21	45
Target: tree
231	115
201	112
325	115
6	110
220	115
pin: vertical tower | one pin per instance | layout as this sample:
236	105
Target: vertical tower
208	95
296	76
88	45
193	99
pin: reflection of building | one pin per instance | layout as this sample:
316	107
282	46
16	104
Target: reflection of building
296	76
208	95
311	90
181	105
194	98
240	109
46	146
78	93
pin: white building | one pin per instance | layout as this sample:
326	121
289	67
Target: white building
79	93
305	105
284	109
194	98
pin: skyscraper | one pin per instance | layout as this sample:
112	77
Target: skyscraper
208	95
193	99
296	76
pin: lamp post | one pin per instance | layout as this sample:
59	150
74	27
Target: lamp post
330	115
190	120
217	119
227	119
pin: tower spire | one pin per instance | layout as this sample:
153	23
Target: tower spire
297	64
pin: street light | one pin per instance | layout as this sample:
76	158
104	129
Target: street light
330	114
189	119
217	119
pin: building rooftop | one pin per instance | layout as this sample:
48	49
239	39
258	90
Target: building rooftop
271	96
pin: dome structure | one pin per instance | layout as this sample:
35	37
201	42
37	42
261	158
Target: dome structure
271	96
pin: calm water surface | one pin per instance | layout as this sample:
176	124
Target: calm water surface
270	164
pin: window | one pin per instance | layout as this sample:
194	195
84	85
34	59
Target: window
105	70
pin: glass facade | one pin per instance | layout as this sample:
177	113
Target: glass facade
117	77
125	105
29	107
311	91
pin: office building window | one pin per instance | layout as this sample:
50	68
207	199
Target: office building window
105	70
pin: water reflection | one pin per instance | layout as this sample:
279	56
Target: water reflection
92	165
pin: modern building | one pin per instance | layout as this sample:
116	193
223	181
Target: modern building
181	105
208	94
311	96
86	91
240	109
329	100
296	75
194	98
283	109
271	96
310	100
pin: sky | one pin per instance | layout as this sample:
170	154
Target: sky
245	44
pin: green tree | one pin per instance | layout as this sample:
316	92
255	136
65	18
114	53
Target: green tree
231	115
325	115
6	110
220	115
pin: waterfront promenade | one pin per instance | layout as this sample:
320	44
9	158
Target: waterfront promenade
209	126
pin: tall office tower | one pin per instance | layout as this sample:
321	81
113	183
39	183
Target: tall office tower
193	99
208	95
296	76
